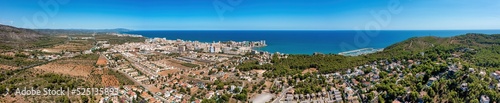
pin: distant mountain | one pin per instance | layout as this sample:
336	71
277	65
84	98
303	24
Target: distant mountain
15	37
81	31
418	44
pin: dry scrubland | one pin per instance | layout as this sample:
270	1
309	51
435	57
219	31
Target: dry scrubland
71	46
177	66
70	67
109	80
23	47
40	79
74	72
7	67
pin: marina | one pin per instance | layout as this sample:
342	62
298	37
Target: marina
362	51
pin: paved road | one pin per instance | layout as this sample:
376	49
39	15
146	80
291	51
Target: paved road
140	67
143	85
282	94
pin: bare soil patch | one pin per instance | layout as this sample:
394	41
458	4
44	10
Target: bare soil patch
170	71
153	89
310	70
6	67
72	46
102	60
70	67
109	80
10	99
172	63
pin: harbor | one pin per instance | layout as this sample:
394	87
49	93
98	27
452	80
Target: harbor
362	51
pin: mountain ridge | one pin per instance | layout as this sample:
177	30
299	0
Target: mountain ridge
17	37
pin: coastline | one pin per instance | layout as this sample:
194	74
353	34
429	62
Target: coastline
302	42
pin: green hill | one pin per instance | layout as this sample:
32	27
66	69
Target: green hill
480	49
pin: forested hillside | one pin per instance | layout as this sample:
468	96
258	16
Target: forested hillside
480	49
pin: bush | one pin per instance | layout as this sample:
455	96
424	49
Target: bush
6	57
21	55
190	65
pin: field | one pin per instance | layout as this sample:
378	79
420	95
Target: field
48	41
118	40
101	61
109	80
172	63
166	72
190	65
177	66
17	59
40	79
74	72
122	79
7	67
73	67
79	71
71	46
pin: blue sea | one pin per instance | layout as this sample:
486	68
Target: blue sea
307	42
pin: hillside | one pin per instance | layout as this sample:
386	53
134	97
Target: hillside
80	31
467	40
479	49
12	37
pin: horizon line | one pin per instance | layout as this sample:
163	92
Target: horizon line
245	29
293	29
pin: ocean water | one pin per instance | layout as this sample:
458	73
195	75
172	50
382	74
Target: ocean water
307	42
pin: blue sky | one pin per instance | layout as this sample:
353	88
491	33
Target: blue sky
251	14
